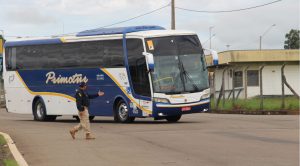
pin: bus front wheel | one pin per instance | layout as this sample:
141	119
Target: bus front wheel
40	113
122	113
173	119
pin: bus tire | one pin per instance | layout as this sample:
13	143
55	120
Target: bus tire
39	111
173	119
122	113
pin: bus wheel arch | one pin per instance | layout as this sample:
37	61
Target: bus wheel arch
121	104
39	110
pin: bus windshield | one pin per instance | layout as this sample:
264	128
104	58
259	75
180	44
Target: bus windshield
179	65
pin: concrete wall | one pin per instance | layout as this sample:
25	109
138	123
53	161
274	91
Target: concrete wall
271	79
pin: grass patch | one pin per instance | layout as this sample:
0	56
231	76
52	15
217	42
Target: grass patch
6	159
253	104
2	140
10	162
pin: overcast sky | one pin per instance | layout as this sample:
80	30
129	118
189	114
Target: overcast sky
241	30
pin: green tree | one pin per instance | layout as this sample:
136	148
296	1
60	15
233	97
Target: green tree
292	39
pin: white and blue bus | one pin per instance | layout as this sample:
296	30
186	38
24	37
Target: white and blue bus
145	71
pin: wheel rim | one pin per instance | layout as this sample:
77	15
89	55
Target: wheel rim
123	111
40	110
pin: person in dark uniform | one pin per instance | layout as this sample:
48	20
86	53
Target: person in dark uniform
83	103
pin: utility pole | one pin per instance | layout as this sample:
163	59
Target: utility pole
173	15
261	36
210	29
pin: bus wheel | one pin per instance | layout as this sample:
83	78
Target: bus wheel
122	113
40	113
173	119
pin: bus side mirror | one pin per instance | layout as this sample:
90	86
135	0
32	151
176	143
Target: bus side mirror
149	60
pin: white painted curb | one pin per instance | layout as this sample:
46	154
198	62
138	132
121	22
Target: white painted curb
14	150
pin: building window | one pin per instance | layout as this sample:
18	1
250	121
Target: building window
238	79
252	78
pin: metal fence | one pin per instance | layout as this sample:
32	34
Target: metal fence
234	90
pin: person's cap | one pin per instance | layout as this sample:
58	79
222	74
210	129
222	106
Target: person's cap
83	84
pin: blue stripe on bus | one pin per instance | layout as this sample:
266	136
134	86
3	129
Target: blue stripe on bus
32	42
118	30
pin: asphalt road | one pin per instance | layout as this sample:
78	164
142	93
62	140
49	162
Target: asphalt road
198	140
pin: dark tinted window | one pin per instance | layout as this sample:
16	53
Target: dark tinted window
174	45
252	78
138	67
79	55
238	79
10	58
113	53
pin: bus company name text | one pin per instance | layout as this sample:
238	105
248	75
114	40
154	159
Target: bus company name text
75	79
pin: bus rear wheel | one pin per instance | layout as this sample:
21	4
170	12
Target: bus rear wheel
40	112
122	113
173	119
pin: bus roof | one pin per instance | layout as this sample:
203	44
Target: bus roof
96	34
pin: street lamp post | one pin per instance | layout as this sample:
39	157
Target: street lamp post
173	24
228	45
210	29
261	36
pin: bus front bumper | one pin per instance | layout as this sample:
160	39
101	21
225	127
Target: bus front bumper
162	110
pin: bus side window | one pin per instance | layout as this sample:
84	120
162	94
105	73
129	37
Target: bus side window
10	57
113	53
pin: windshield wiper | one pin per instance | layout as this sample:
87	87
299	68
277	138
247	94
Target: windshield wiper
188	76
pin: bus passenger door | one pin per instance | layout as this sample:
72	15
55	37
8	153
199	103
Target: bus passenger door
139	76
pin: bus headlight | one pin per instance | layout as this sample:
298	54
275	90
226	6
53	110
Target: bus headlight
205	96
160	100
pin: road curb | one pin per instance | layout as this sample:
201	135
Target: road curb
14	150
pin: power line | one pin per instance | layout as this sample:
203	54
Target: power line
130	19
208	39
165	6
133	18
105	26
228	11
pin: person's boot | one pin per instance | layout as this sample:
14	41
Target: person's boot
73	132
89	136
